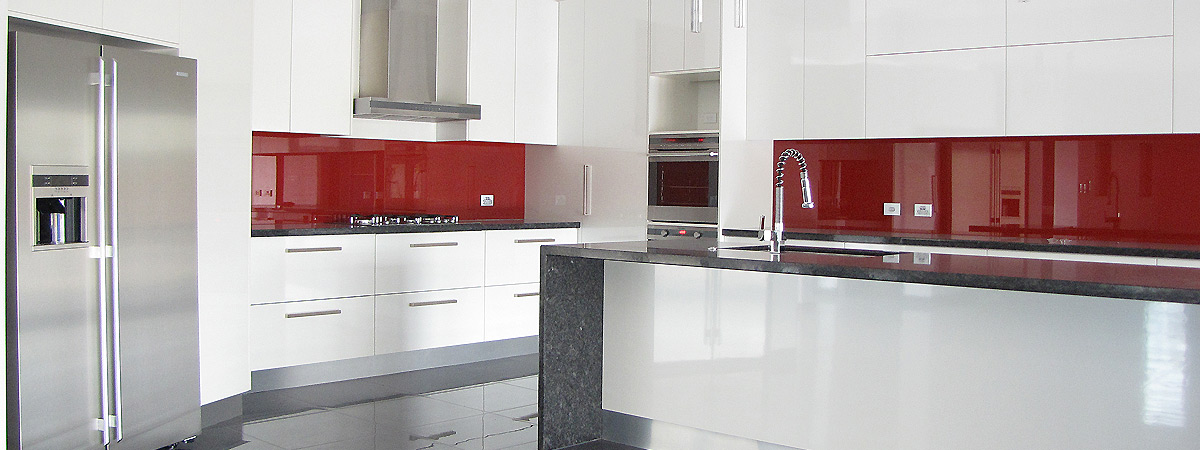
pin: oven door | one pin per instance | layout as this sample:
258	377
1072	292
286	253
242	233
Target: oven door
683	187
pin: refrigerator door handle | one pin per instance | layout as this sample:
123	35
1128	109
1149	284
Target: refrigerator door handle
104	423
114	267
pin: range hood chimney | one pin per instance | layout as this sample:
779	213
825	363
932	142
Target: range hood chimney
413	61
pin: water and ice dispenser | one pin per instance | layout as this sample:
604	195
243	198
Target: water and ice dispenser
60	206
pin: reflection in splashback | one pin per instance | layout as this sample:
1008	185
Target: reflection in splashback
1133	188
300	178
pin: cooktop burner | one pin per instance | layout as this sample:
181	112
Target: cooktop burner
400	219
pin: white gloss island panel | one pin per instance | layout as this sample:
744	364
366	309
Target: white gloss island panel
897	26
1106	87
839	364
835	48
1046	21
1187	66
951	93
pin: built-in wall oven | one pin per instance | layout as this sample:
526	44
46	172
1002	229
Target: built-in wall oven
683	178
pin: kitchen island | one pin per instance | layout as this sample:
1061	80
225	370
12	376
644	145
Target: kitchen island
694	347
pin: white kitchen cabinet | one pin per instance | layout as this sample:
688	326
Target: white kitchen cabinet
949	93
491	69
514	256
287	334
536	106
157	21
615	86
83	12
685	35
1187	67
1105	87
834	69
410	262
895	26
775	70
271	69
423	320
323	60
511	311
1048	21
295	268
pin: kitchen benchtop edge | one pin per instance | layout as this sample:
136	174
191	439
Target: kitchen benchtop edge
337	229
1125	281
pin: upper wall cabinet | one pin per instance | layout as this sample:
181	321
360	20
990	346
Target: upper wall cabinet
303	65
1187	67
149	20
685	35
895	26
951	93
834	69
775	70
1048	21
512	71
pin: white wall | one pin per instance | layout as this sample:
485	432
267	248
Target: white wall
217	33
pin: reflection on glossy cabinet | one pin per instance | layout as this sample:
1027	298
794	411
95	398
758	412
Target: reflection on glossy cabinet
685	35
951	93
287	334
1046	21
895	26
511	311
423	320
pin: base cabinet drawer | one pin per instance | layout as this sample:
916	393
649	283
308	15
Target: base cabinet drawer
511	311
411	262
288	334
423	320
514	256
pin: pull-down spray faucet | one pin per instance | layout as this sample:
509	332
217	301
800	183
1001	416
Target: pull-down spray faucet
805	192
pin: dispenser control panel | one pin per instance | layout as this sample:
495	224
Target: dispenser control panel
60	197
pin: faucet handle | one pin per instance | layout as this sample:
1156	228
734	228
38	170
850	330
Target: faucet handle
762	228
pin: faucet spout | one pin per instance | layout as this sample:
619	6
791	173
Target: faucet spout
806	193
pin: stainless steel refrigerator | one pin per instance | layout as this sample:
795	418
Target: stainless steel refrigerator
101	264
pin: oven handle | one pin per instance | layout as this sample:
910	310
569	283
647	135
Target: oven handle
683	156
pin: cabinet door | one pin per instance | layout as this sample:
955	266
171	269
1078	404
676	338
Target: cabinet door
702	50
1187	67
775	70
1047	21
685	35
491	69
834	69
514	256
895	26
266	269
409	262
82	12
322	87
271	68
155	19
288	334
537	72
511	311
1105	87
423	320
951	93
328	266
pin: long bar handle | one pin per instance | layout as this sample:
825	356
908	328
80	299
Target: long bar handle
432	303
312	314
433	244
527	294
697	15
102	262
678	154
587	190
313	250
739	14
114	236
533	241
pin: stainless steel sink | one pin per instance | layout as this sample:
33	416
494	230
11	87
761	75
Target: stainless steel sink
819	250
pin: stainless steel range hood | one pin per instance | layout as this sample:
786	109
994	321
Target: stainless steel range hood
413	61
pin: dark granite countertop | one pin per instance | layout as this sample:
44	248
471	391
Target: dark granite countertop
1155	283
1056	245
316	229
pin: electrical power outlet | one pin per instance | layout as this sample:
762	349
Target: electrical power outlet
891	209
922	258
487	200
923	210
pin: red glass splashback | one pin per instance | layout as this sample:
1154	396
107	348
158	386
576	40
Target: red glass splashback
1132	188
299	178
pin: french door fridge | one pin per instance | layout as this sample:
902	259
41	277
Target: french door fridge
101	263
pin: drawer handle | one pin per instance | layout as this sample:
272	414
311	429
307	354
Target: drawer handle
532	241
313	249
435	302
313	314
528	294
434	244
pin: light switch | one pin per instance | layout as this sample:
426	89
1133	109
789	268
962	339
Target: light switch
891	209
923	210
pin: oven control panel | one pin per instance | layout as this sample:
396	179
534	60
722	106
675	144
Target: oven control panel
660	231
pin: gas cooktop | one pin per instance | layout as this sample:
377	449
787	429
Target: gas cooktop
400	219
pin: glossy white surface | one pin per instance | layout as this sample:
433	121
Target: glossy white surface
835	69
1187	67
491	69
510	311
774	70
409	262
537	72
271	70
1044	21
895	26
323	36
155	19
1107	87
278	341
1115	259
746	189
345	272
951	93
918	248
401	327
615	63
83	12
673	46
839	364
514	256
